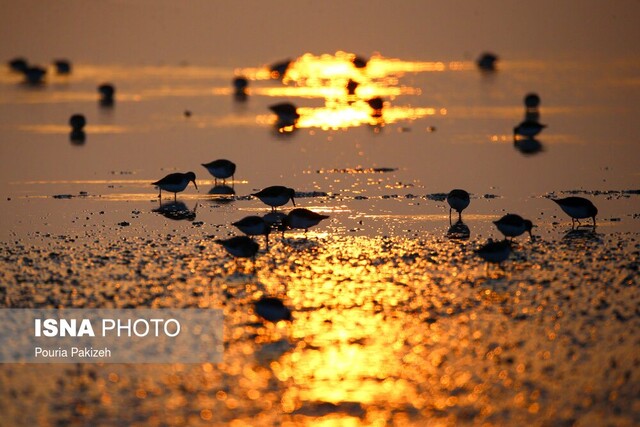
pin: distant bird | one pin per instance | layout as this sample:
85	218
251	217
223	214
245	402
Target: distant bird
531	100
531	103
272	309
107	93
376	104
175	183
528	128
495	252
303	219
359	62
287	113
240	85
578	208
221	169
279	69
352	85
239	246
458	200
512	225
63	66
77	122
276	195
18	65
254	226
34	75
487	61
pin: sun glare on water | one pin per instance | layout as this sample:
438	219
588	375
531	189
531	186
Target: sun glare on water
346	84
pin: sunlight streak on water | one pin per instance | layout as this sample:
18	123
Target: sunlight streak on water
60	129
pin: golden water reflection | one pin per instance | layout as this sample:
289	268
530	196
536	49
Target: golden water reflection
385	330
351	92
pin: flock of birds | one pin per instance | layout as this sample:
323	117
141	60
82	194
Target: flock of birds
244	246
510	225
275	196
513	225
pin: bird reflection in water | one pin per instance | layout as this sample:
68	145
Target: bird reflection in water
176	211
578	236
77	137
222	194
528	146
276	220
254	226
458	231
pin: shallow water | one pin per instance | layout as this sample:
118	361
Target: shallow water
395	320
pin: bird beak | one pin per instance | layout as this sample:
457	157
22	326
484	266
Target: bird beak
194	183
294	202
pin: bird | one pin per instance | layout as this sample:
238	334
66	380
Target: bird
578	208
276	195
107	92
254	225
303	219
286	112
531	100
18	65
528	128
376	104
221	168
63	66
458	200
512	225
531	103
359	62
77	122
239	246
176	182
494	252
351	87
487	61
34	75
272	309
279	69
240	84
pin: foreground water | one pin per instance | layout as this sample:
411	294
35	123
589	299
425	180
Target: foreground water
395	319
